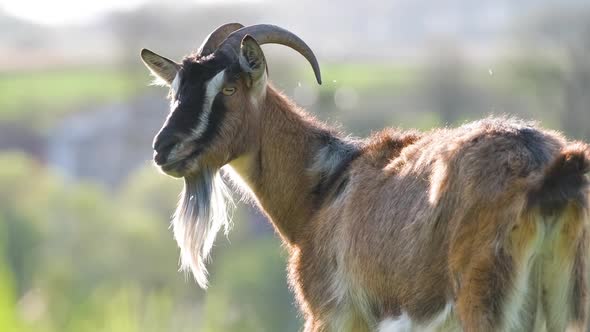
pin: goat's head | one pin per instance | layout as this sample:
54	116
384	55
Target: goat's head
214	95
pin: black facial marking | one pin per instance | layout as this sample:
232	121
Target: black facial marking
195	74
218	111
234	70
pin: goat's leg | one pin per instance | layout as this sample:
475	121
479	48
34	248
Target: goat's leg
482	266
482	292
564	277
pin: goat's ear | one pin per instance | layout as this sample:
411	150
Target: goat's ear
160	66
252	60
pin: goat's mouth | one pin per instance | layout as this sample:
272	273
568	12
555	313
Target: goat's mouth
181	167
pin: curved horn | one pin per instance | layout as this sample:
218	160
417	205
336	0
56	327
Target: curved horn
215	38
270	34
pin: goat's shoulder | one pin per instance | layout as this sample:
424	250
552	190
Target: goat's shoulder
386	145
336	157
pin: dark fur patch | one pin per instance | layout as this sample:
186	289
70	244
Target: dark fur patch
194	74
532	139
498	280
332	184
218	112
341	186
564	181
580	288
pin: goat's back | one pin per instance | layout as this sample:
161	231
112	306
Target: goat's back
417	225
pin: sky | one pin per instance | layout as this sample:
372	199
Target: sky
63	12
52	12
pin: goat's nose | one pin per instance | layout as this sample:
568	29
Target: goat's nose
163	144
163	141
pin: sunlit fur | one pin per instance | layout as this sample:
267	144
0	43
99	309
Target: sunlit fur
202	210
397	237
479	228
201	213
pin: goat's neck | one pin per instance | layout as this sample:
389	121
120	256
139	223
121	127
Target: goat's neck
277	169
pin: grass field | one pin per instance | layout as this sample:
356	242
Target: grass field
40	97
370	76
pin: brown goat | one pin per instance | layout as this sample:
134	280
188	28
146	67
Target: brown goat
479	228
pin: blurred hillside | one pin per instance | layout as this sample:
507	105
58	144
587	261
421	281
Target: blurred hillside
84	237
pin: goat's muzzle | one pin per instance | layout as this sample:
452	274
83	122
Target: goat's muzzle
163	144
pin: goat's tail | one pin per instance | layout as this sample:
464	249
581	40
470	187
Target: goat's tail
560	205
564	182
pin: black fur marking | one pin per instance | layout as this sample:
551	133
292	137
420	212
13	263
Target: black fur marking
333	184
564	182
190	96
532	140
499	281
218	112
234	71
580	288
341	185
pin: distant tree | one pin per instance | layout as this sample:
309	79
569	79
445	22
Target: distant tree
448	89
74	257
566	30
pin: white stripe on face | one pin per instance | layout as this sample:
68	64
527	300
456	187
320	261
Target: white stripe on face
213	87
175	83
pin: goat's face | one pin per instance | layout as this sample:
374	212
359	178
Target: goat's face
210	100
215	96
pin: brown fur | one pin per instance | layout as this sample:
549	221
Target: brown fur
425	219
489	219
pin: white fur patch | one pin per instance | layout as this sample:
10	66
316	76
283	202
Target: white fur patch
201	213
403	323
175	83
519	297
556	277
157	80
351	300
443	321
553	276
213	87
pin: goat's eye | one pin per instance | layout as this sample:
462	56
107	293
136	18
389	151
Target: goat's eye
228	91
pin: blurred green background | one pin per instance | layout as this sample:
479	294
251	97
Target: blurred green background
85	243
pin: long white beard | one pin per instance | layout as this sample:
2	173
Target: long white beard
200	214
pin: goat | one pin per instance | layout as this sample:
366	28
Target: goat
483	227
